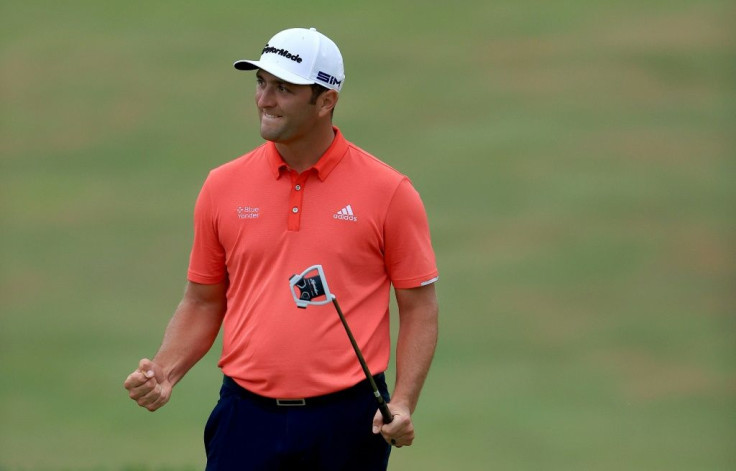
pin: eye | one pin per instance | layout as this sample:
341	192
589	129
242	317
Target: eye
284	89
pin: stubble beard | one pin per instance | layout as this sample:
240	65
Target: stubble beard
271	131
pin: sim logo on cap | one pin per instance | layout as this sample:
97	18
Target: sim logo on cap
328	79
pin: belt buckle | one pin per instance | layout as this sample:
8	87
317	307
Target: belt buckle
291	402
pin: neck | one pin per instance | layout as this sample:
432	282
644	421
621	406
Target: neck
303	153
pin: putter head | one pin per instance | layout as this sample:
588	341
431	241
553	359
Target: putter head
304	289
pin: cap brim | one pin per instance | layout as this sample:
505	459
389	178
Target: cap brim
284	75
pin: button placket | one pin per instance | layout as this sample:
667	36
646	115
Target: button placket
296	199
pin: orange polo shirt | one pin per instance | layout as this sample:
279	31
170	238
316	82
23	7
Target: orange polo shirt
257	222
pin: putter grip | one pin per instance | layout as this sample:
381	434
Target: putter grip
387	417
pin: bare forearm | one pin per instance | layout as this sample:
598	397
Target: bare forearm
417	340
190	334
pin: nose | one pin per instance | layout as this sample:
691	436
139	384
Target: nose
264	97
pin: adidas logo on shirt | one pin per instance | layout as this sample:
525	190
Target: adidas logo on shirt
346	214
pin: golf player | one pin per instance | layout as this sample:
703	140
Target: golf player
294	395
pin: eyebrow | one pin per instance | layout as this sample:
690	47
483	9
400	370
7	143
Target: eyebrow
276	79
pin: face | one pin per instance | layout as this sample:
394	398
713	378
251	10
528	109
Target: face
284	109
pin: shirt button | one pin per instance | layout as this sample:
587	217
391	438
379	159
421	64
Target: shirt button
294	210
298	187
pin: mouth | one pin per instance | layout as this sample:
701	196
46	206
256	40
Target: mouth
269	115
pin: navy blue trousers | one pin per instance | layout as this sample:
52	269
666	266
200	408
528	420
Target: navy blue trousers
334	433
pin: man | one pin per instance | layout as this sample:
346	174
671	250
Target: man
294	395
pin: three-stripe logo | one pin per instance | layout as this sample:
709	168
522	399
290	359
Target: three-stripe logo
346	214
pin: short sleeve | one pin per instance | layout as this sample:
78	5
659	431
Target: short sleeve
207	258
409	256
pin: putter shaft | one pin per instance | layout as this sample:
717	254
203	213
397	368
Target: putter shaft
387	417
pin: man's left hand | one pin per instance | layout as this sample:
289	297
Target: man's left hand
400	432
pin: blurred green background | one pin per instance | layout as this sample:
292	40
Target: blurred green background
576	159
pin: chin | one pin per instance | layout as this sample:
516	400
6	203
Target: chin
270	134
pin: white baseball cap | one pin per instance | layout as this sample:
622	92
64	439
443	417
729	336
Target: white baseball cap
300	56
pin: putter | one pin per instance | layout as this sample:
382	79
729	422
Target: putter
316	286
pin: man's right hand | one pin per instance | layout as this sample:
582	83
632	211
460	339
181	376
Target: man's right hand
148	386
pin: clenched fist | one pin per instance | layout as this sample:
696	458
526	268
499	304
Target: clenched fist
148	386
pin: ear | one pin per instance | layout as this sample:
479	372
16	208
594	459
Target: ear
327	102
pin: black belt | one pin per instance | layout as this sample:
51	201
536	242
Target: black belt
361	388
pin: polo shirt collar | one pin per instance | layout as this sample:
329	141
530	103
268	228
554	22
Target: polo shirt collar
324	165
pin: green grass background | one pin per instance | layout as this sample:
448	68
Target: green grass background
577	163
